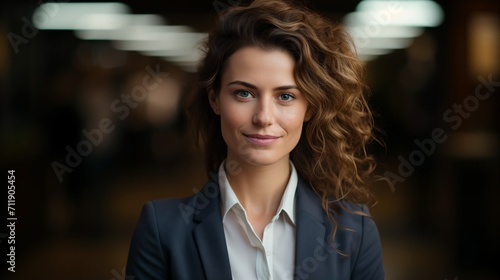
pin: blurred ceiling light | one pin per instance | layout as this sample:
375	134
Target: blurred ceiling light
152	32
168	53
387	25
189	57
406	13
164	42
68	16
146	34
93	26
186	59
180	48
380	31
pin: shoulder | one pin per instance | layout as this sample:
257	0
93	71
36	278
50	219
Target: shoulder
358	236
171	211
182	212
168	206
166	220
353	214
348	214
355	223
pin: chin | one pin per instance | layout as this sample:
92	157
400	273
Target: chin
261	158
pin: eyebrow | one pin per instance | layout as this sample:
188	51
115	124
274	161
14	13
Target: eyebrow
249	85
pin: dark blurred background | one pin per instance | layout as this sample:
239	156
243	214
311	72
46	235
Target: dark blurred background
90	120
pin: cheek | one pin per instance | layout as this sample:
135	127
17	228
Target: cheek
292	119
232	117
294	129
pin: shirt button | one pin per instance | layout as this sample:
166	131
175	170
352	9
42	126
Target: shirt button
268	253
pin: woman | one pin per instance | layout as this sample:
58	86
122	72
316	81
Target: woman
284	122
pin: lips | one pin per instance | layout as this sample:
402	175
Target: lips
260	139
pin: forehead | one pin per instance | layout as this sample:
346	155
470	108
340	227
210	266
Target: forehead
258	65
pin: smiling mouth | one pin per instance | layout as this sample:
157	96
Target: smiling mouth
261	140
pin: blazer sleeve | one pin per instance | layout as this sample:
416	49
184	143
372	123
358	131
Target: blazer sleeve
146	259
369	264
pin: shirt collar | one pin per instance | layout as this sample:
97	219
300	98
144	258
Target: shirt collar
229	198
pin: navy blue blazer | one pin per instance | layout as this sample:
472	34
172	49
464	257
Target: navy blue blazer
184	239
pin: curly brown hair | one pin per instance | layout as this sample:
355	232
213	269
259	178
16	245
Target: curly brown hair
331	154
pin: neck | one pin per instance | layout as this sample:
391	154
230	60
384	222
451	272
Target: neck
258	188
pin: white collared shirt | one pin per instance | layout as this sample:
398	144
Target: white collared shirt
271	258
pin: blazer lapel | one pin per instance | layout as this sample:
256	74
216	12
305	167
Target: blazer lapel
209	233
310	234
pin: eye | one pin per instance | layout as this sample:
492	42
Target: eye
243	94
286	97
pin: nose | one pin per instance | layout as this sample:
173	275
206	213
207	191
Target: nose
264	113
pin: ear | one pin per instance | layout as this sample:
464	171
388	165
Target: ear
214	101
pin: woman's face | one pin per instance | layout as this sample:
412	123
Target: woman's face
261	109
